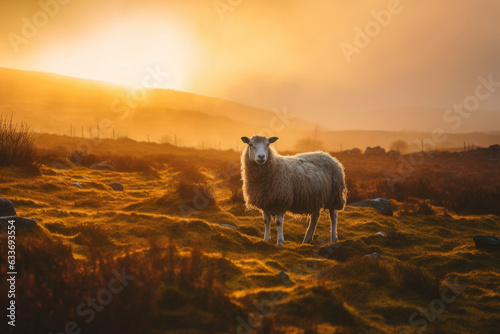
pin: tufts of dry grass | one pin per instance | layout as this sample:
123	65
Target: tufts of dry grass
16	143
122	163
51	284
415	206
410	277
378	273
235	185
188	170
462	195
190	191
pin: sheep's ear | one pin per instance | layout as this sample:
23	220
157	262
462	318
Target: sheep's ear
272	139
246	140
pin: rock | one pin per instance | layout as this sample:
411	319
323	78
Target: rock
76	184
352	151
381	204
103	166
320	274
47	171
78	177
495	147
393	153
229	226
62	163
381	234
116	186
487	242
377	150
7	208
8	213
284	276
373	255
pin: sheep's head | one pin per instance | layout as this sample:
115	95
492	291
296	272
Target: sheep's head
258	148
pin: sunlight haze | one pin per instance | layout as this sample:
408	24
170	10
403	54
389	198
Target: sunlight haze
277	54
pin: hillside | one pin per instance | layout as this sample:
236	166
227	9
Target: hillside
420	120
55	104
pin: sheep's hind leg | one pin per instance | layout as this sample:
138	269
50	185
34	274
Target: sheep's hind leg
312	227
279	223
333	219
267	221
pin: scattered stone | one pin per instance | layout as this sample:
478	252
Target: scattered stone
320	274
62	163
103	166
352	151
116	186
393	153
76	184
8	213
381	234
377	150
373	255
487	242
81	177
7	208
494	147
284	276
382	205
229	226
47	171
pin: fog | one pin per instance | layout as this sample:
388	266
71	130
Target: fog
410	55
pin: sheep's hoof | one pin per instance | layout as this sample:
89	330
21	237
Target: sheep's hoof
280	243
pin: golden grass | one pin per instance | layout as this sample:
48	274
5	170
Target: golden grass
190	269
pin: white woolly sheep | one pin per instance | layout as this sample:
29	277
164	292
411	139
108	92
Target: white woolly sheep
302	184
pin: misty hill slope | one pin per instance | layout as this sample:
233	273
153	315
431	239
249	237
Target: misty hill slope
421	120
52	102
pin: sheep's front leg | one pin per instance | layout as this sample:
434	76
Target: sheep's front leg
279	223
333	219
312	227
267	221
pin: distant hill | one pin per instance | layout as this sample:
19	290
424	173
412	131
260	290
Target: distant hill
54	104
421	120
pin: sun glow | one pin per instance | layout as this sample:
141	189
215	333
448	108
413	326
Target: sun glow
129	55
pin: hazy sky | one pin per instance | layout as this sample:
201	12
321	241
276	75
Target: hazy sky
272	54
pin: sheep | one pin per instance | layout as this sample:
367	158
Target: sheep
301	184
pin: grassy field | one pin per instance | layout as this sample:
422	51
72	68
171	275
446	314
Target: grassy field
193	273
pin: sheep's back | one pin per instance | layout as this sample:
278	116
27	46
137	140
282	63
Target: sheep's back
311	176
